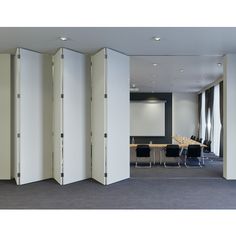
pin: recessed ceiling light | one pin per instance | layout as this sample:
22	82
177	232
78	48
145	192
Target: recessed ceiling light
134	89
133	86
63	38
154	64
181	70
219	64
156	38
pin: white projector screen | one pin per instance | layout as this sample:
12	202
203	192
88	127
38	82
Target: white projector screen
147	119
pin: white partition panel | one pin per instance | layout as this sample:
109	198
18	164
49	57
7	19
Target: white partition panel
76	80
34	116
110	116
118	120
5	117
57	117
72	148
98	117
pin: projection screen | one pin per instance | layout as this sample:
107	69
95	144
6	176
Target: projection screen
147	118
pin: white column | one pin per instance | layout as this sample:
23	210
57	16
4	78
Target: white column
229	171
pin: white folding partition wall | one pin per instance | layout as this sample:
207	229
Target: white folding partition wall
72	148
33	116
5	117
110	116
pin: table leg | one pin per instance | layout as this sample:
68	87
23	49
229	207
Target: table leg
202	153
154	156
161	150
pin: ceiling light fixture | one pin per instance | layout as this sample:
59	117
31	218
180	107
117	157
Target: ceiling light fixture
181	70
219	64
154	64
133	85
134	89
156	38
63	38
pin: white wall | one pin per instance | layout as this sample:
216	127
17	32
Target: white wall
184	114
5	117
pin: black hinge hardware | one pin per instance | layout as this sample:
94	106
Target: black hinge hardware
18	56
18	175
62	56
62	175
105	135
105	95
105	175
106	56
18	95
62	135
62	95
18	135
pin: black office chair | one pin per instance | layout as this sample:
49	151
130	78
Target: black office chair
200	140
193	155
143	151
172	151
207	149
193	137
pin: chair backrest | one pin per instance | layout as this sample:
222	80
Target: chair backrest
194	150
172	150
205	142
193	137
209	145
200	140
143	151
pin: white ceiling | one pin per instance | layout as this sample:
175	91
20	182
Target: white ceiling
203	45
199	71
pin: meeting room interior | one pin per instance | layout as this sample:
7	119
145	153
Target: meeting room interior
176	128
107	117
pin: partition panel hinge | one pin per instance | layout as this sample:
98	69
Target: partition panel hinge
105	56
18	175
62	175
105	95
18	95
105	175
18	56
62	135
91	63
62	56
105	135
62	95
18	135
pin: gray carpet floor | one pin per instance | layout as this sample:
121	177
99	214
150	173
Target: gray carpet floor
147	192
213	168
128	194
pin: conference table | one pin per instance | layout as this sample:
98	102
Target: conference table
183	143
